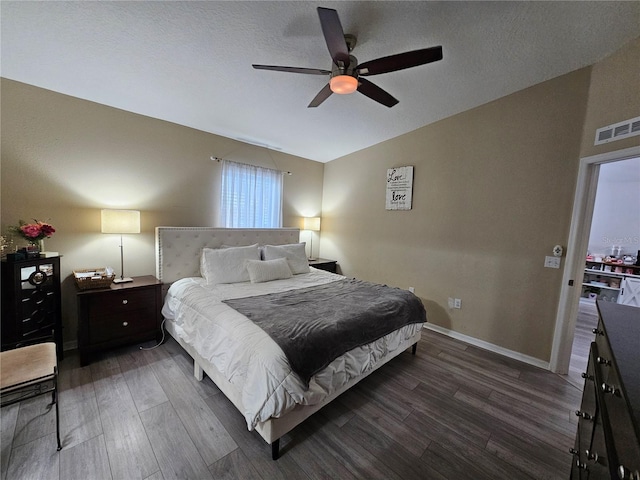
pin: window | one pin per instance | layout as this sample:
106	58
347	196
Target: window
251	196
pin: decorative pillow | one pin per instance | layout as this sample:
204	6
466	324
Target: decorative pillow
227	265
294	253
267	270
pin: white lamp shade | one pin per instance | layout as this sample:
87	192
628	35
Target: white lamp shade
120	221
312	223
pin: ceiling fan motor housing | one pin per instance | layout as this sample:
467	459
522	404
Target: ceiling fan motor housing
350	70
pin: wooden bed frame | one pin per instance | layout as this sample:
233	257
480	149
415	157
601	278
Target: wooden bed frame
178	256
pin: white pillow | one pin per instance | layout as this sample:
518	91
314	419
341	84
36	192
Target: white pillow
267	270
294	253
227	265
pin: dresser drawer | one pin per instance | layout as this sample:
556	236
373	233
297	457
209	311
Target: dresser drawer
604	359
588	410
626	444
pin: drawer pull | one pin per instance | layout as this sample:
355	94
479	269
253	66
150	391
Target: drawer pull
626	474
124	302
603	361
610	389
586	376
580	465
584	415
597	331
591	455
125	324
573	451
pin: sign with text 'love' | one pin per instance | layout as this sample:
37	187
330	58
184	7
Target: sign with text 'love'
399	188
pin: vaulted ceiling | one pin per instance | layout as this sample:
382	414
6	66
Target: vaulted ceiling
190	62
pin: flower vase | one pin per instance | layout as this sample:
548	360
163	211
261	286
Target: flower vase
32	250
41	245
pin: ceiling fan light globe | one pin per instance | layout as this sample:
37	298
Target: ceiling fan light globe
343	84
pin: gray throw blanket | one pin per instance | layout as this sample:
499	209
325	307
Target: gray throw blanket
315	325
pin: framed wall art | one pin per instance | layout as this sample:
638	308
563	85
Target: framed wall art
399	188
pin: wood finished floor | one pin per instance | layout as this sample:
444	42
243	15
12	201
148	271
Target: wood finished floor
583	336
451	411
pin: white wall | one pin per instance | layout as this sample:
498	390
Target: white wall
616	215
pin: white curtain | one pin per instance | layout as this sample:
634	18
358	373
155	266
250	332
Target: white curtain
251	196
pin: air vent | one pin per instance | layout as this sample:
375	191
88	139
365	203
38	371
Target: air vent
618	131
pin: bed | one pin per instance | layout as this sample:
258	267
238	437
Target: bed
253	369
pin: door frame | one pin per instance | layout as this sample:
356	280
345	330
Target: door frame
577	243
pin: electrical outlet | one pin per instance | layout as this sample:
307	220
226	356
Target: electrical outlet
450	302
412	290
457	303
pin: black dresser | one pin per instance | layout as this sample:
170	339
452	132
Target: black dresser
31	303
608	436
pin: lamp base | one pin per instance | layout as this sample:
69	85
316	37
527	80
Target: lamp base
123	280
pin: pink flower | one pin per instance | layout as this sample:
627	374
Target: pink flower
46	229
34	231
30	230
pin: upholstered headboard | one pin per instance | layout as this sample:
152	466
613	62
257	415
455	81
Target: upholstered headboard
178	248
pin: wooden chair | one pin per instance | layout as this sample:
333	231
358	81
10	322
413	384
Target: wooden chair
27	372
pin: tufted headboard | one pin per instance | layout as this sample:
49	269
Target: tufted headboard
178	248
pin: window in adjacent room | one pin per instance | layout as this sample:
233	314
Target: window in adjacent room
251	196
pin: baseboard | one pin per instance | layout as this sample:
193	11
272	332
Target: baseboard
536	362
73	344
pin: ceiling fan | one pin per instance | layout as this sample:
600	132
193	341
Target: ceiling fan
346	74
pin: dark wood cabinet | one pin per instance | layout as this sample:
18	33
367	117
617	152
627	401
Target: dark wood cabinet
324	264
122	314
608	438
31	303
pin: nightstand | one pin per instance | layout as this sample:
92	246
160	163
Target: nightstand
122	314
324	264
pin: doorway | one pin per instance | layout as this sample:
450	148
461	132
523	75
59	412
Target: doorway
570	292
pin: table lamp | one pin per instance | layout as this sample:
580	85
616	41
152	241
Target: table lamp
313	225
121	221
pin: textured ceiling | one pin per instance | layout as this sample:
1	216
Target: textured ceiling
190	62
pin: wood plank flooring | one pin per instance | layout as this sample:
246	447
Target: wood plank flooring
583	336
451	411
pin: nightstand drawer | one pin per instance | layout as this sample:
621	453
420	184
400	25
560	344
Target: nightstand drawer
120	302
107	327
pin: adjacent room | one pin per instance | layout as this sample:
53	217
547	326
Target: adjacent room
463	157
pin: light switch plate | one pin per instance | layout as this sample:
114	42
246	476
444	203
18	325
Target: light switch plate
552	262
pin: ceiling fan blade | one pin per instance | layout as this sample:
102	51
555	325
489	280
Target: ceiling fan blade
321	96
309	71
374	92
334	35
400	61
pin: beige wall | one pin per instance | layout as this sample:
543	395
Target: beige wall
614	96
493	191
64	159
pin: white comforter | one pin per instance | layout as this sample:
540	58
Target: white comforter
249	358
